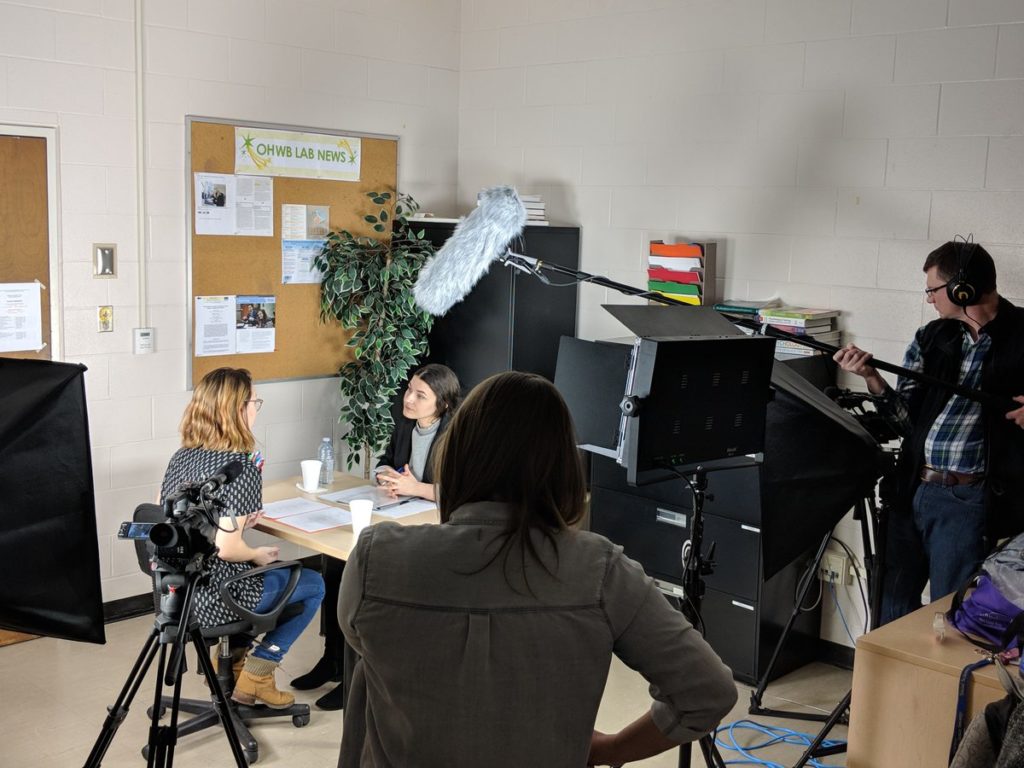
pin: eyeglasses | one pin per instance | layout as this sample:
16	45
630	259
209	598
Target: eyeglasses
258	402
930	291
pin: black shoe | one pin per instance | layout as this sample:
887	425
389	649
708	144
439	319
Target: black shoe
333	699
327	670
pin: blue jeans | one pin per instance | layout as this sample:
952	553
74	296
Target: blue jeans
943	542
309	591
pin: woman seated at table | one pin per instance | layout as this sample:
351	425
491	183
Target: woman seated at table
487	640
215	430
427	406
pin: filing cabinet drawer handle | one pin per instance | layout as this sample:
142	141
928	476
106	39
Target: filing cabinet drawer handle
677	519
738	604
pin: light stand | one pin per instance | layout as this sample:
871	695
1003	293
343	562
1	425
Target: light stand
687	400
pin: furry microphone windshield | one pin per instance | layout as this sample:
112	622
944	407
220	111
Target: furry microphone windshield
480	238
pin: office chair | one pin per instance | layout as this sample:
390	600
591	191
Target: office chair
225	636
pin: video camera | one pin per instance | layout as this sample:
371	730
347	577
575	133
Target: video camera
182	540
874	421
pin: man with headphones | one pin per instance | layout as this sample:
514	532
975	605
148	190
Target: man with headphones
960	477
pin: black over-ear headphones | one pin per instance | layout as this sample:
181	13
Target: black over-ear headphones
960	289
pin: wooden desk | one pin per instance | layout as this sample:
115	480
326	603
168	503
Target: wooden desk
904	692
337	542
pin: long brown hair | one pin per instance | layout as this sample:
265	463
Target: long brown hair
513	441
214	419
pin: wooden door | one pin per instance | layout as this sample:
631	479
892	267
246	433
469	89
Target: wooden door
24	219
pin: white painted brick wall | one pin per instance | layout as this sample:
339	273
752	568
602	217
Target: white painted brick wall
939	163
854	61
788	20
945	55
892	111
993	108
1010	51
968	12
874	16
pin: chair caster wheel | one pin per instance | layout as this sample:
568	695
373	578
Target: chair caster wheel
149	712
251	757
300	720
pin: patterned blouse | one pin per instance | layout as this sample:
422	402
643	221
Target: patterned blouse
244	495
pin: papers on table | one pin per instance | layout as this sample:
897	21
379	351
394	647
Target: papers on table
306	515
380	497
383	504
406	508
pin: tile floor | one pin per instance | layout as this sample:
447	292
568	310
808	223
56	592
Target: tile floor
55	695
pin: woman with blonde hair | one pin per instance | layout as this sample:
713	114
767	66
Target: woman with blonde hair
215	430
487	640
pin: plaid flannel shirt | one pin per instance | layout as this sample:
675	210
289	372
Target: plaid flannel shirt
956	440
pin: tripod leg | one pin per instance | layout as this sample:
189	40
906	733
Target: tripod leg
758	693
119	710
708	748
710	751
814	750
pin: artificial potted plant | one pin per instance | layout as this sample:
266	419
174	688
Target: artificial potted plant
367	286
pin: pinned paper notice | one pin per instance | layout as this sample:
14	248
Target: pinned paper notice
21	317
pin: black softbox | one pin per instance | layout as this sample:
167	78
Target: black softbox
819	462
49	554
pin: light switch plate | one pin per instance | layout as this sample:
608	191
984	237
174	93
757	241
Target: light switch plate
105	318
104	260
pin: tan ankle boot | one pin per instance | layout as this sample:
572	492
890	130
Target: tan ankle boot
237	660
256	685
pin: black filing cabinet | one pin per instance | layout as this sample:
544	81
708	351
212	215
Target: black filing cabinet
743	613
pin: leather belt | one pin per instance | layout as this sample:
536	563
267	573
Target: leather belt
949	477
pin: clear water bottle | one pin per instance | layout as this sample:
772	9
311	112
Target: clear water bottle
326	456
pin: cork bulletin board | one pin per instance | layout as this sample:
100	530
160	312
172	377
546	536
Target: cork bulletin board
221	265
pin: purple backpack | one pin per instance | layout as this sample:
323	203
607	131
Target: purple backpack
994	610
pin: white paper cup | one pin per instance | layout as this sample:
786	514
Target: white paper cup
361	510
310	475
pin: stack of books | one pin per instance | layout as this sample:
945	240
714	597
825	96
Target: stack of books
535	210
817	324
679	270
745	307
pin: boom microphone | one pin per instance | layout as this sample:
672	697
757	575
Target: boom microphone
480	238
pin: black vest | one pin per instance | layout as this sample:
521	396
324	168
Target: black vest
1002	373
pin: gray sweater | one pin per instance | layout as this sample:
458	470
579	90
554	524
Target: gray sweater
460	668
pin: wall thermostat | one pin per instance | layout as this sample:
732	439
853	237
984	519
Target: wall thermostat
144	340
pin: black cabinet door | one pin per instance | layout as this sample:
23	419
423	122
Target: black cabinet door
540	311
509	320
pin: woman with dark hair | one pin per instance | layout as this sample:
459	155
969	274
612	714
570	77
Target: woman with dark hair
405	469
217	429
487	640
428	404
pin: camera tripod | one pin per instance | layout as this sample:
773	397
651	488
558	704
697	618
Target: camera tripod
174	627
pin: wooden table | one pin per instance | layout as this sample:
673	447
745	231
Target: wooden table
336	542
905	689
